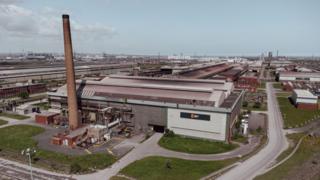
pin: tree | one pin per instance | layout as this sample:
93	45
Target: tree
24	95
257	105
245	104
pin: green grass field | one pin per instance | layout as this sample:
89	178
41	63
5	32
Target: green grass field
309	148
16	138
14	116
3	122
294	117
157	168
195	146
277	85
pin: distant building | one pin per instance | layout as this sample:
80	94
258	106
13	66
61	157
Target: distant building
304	99
250	83
299	76
14	91
270	56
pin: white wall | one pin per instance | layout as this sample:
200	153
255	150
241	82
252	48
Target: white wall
214	129
285	78
315	79
308	101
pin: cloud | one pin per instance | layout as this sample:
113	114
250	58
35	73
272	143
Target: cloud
17	21
10	1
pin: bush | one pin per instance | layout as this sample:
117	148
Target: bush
24	95
245	104
168	133
238	124
259	130
75	168
257	105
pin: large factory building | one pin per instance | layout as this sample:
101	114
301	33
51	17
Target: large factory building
196	108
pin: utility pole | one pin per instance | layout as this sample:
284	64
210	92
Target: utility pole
29	152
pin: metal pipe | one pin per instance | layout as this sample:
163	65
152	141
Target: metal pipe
73	115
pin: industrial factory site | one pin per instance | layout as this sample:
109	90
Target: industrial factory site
159	90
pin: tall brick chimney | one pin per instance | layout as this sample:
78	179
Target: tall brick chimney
73	115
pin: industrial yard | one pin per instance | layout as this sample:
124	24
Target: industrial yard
86	96
198	108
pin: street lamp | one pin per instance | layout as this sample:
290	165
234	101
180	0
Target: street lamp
29	152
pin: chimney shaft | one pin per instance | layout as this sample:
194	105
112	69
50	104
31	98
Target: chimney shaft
71	86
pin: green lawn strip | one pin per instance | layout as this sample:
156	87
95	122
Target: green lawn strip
42	105
277	85
195	146
14	116
294	139
119	178
284	94
262	85
308	148
239	138
16	138
263	107
294	117
158	168
3	122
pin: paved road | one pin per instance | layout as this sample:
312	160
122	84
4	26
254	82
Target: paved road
148	148
258	163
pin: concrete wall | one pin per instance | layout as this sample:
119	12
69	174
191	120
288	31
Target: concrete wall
306	100
214	129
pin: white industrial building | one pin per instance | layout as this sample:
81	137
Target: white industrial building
299	76
197	108
304	99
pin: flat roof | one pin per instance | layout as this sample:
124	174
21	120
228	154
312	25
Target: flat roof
206	71
54	69
302	93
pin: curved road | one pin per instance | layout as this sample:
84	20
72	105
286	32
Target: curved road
277	143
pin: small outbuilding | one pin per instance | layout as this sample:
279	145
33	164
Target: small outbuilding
46	117
304	99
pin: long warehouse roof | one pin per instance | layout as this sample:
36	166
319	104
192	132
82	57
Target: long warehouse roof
202	92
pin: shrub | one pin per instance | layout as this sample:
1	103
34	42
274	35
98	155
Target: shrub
245	104
168	133
259	130
24	95
75	168
257	105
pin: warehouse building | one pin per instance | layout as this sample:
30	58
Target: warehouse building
304	99
299	76
196	108
16	90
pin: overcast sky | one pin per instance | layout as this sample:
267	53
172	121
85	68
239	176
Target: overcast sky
201	27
